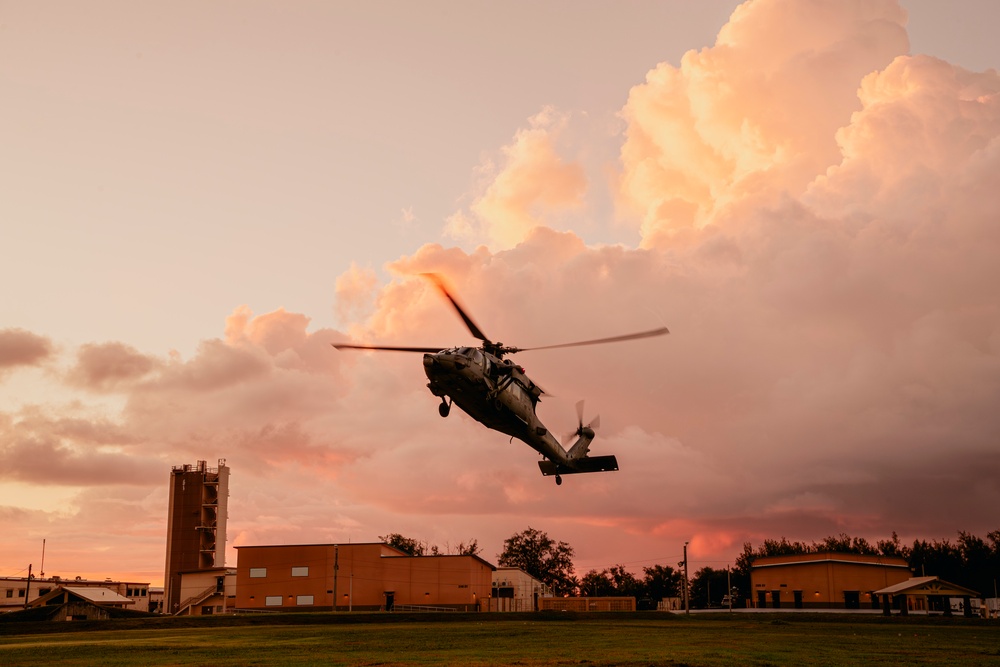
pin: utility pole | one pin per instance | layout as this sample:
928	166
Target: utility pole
27	588
687	607
336	567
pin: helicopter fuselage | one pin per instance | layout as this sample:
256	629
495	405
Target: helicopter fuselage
495	392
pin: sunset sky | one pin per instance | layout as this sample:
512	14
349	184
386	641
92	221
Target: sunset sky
197	198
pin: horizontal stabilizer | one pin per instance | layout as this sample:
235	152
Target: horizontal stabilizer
585	464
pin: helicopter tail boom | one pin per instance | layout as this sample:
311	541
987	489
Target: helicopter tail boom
585	464
582	445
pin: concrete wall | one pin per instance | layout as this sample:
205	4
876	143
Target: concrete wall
586	604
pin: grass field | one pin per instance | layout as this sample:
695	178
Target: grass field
493	639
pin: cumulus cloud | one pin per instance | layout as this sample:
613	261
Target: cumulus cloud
23	348
355	293
106	366
531	185
755	114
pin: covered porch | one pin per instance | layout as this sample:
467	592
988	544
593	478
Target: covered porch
931	591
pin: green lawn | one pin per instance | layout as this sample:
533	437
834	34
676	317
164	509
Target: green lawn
542	639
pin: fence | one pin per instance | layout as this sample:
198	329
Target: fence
586	604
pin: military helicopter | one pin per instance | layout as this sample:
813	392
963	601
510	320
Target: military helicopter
497	393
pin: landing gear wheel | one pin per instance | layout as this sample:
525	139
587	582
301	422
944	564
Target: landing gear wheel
444	409
558	480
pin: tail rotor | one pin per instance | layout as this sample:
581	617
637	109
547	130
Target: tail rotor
581	430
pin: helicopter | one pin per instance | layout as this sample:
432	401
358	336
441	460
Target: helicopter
496	392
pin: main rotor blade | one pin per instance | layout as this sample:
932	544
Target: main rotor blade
476	331
387	348
614	339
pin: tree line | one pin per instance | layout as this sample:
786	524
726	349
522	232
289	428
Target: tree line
969	561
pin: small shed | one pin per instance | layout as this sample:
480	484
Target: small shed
78	603
933	591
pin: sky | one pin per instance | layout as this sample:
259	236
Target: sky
197	199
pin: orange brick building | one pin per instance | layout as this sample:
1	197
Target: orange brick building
369	576
830	580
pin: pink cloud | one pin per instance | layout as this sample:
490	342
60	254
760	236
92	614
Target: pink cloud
531	185
23	348
106	366
753	115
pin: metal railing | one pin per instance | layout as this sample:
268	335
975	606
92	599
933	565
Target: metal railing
420	607
195	599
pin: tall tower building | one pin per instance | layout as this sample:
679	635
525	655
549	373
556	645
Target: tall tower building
196	524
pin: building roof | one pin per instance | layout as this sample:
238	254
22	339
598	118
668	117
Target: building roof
93	594
98	595
76	581
830	557
316	544
926	586
399	553
220	568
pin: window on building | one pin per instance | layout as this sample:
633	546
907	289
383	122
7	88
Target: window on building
258	572
272	601
300	571
304	600
10	592
142	592
20	592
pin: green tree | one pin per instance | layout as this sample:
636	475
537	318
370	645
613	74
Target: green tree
596	584
892	547
844	544
546	560
616	581
708	585
405	544
625	583
661	581
470	548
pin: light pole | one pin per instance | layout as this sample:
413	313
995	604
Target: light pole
687	609
336	567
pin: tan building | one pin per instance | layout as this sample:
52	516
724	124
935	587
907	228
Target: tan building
210	591
369	576
515	590
824	580
15	591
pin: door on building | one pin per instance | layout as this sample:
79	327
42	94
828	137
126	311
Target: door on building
797	598
852	599
776	599
761	599
389	600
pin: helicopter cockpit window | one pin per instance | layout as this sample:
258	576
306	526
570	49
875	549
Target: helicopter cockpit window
516	389
477	356
464	351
